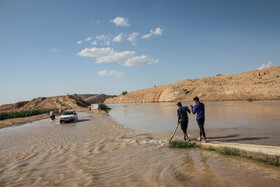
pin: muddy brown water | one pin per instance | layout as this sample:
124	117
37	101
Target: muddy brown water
256	122
96	151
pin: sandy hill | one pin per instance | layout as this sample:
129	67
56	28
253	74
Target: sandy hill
257	84
59	102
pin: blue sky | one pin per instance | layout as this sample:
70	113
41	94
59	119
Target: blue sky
55	47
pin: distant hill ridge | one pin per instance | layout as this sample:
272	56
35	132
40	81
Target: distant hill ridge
257	84
59	103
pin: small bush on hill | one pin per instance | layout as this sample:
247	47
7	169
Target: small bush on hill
186	91
250	99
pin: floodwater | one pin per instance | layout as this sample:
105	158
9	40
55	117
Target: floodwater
96	151
255	122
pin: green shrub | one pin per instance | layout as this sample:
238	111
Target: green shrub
124	92
209	148
104	107
186	91
227	151
181	144
22	113
270	161
250	99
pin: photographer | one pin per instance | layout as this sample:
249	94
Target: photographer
199	109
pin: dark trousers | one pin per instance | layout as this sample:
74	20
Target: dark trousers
200	123
184	126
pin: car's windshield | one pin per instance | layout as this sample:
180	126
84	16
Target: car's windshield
68	113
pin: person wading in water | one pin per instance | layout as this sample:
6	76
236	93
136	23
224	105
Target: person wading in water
183	119
199	109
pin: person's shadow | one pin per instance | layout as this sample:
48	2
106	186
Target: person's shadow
232	138
246	139
222	137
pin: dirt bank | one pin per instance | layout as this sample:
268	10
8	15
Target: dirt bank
258	84
252	151
19	121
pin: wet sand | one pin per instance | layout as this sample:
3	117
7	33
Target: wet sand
96	151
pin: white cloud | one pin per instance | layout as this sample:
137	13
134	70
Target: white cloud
157	32
140	60
265	65
132	37
81	41
114	56
111	73
147	36
108	54
105	38
88	39
118	38
94	42
126	58
120	21
95	52
54	50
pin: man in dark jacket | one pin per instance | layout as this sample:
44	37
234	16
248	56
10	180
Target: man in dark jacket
199	109
183	119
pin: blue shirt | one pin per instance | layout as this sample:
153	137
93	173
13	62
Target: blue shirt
182	113
199	109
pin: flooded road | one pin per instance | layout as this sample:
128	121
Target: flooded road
96	151
255	122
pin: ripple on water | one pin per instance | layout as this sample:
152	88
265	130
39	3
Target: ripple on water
120	159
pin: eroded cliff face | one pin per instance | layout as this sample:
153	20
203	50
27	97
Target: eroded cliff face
257	84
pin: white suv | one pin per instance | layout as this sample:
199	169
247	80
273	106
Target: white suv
68	116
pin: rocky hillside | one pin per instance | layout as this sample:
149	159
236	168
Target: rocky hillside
59	103
94	98
257	84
